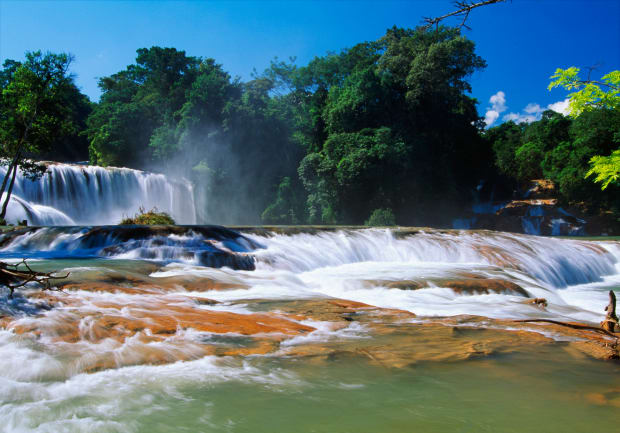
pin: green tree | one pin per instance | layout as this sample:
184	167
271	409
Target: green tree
389	125
505	139
606	168
590	95
540	138
381	217
41	110
136	102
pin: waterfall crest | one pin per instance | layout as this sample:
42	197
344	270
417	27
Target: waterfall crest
89	195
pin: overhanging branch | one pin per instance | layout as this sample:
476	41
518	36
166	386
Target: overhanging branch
464	8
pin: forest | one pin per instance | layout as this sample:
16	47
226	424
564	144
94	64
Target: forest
382	133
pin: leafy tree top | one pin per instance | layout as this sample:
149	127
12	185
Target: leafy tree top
588	94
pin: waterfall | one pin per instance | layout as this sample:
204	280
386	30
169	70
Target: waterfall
555	263
89	195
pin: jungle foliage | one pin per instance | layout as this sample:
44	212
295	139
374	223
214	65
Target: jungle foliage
384	124
561	148
384	132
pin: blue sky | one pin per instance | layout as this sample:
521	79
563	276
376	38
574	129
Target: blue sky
523	41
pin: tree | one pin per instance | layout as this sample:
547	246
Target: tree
138	101
391	126
39	103
14	276
589	95
505	139
606	169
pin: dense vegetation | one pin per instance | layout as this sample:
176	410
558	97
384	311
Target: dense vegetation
381	133
151	217
560	148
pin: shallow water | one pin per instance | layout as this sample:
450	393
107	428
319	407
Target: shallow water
540	393
67	372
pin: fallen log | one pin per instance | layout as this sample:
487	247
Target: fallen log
13	277
570	325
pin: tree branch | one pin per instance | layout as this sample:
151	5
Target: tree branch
599	83
465	7
13	278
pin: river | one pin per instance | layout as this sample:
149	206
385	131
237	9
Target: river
208	329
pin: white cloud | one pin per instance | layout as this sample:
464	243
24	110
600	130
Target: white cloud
521	117
490	117
498	106
532	108
560	107
498	101
531	113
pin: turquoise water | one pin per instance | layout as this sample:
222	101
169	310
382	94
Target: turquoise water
543	393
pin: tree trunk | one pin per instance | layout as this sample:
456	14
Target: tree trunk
14	165
8	171
8	194
611	320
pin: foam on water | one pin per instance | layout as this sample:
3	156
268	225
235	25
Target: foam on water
214	246
357	265
557	262
36	396
43	386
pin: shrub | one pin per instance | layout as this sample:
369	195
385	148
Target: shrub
150	218
381	217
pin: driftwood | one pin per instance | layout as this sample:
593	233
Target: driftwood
607	326
13	277
569	325
611	320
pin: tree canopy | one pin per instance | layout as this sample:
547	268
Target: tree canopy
42	113
383	132
590	95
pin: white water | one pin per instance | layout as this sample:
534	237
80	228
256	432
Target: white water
89	195
43	386
358	265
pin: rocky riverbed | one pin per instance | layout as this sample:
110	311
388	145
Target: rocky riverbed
337	320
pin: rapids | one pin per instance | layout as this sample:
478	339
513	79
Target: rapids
78	194
205	328
404	269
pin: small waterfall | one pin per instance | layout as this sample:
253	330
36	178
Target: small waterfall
557	263
73	195
210	246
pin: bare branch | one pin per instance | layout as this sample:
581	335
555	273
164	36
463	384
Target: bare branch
464	8
13	277
592	68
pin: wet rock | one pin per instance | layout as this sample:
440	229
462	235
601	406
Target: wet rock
99	334
523	208
486	286
469	286
538	302
541	188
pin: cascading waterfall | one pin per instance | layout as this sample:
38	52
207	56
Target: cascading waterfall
83	195
355	264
